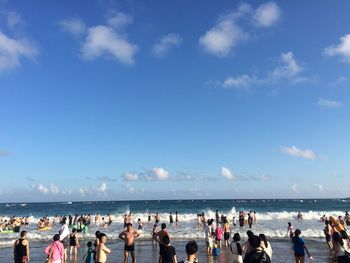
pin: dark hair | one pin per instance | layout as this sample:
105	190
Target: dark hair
254	241
97	233
249	233
191	247
74	230
297	232
289	223
56	237
163	226
128	224
101	235
166	240
89	244
263	238
236	237
23	233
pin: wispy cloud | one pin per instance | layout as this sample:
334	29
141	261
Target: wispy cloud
14	20
295	188
267	14
13	50
105	40
107	179
73	26
154	174
320	187
287	70
340	80
4	153
128	176
329	104
342	49
165	44
46	189
299	153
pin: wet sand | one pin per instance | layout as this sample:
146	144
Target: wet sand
146	252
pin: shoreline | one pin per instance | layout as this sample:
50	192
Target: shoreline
146	252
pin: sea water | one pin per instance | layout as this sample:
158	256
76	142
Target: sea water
272	215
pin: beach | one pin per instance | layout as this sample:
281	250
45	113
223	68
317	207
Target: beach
272	218
146	252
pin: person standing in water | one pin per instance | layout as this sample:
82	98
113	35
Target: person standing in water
227	233
171	219
128	236
73	243
176	218
102	250
160	235
21	249
290	230
299	247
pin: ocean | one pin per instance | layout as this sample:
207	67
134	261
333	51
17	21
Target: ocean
272	218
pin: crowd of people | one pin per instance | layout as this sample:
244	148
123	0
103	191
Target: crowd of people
217	234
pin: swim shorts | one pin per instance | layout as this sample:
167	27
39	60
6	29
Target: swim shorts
129	248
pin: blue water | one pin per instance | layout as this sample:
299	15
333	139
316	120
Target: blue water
182	206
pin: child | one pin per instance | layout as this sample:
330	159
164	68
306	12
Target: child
218	235
216	250
102	251
89	255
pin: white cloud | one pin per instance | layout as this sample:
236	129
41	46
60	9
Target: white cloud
130	176
289	67
83	191
288	70
267	14
342	49
42	189
225	172
294	188
330	104
166	43
242	81
220	39
102	188
105	41
73	26
13	50
119	20
225	34
54	189
129	189
296	152
160	173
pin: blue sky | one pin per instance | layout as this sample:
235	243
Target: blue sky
124	100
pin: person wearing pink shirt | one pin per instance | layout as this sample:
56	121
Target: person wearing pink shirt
218	235
55	251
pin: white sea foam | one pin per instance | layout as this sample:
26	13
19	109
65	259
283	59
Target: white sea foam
272	224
